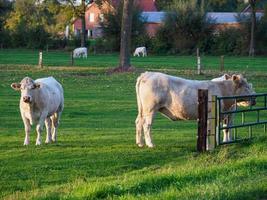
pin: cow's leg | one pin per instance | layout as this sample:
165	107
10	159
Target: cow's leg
139	128
27	127
39	128
55	121
226	131
229	123
48	124
148	119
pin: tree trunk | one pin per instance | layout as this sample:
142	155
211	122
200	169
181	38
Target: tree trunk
83	35
253	24
126	29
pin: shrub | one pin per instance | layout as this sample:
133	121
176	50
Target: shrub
184	29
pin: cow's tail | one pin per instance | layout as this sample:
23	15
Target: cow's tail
139	103
139	120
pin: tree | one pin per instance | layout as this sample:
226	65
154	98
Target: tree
252	4
163	4
126	26
79	11
185	27
111	26
5	9
29	22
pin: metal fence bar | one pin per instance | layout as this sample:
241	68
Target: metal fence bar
234	141
235	134
244	110
250	131
243	96
221	114
244	125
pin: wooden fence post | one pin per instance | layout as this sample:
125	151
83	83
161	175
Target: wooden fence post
40	63
222	63
212	137
198	63
71	58
202	120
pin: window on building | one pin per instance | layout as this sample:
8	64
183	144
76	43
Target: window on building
101	16
90	33
92	17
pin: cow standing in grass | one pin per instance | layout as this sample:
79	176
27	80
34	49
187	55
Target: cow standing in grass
177	98
41	102
80	52
140	51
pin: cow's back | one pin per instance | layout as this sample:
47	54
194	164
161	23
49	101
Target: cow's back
173	96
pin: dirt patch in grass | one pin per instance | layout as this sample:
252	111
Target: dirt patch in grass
118	70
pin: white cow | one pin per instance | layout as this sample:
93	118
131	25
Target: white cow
140	50
176	98
41	101
80	52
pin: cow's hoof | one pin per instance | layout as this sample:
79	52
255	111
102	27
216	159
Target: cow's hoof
48	141
26	143
140	145
150	145
38	143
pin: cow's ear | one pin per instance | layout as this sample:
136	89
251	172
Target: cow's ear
227	76
36	85
16	86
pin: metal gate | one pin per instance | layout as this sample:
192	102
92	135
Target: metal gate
242	117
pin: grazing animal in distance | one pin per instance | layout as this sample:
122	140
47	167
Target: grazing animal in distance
140	51
80	52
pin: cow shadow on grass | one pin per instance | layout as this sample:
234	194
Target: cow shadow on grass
194	180
86	158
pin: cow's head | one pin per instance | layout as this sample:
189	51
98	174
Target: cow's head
242	87
26	87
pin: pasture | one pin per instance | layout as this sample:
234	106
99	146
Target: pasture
96	156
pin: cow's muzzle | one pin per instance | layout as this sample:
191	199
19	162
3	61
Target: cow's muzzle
247	102
27	99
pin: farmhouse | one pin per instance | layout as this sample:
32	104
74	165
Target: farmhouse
153	18
94	14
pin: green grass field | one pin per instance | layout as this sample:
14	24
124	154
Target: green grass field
96	156
58	58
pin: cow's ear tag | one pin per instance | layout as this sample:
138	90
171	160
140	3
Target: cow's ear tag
36	85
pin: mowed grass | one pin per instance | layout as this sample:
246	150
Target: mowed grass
63	58
96	156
